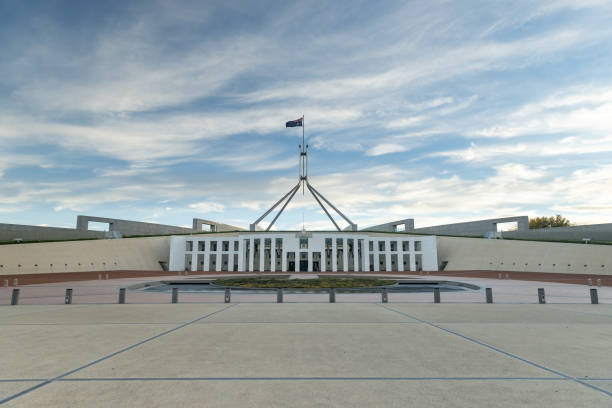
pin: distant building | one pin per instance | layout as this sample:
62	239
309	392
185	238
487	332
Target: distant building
303	251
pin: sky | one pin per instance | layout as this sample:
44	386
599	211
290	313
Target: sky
441	111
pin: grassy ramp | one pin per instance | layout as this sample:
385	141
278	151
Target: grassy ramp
320	283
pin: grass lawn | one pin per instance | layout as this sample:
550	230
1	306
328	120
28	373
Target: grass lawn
322	282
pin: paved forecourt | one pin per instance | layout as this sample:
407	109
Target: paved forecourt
313	354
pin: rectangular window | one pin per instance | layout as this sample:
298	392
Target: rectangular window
381	246
328	243
406	246
371	246
279	243
213	246
225	246
303	243
339	243
236	245
268	243
189	245
417	245
393	245
201	246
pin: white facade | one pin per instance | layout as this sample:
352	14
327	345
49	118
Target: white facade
303	251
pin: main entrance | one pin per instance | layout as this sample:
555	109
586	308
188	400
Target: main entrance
303	261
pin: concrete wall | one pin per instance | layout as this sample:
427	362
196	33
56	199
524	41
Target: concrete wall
524	256
127	228
198	223
474	228
407	223
595	232
9	232
85	256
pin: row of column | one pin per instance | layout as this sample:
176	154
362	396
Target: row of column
262	257
365	255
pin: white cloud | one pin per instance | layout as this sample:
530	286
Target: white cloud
207	206
386	148
251	205
405	122
583	111
144	108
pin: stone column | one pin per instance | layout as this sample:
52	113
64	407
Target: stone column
323	261
388	256
241	250
355	255
345	254
207	257
219	265
374	254
365	253
194	261
230	257
251	253
309	260
262	254
284	257
273	254
334	255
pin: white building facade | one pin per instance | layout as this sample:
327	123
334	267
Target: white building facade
303	251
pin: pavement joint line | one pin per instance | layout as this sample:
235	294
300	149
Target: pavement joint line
90	324
22	380
104	379
306	322
59	377
174	323
39	310
490	347
583	312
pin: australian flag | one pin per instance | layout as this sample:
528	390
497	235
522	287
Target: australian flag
294	123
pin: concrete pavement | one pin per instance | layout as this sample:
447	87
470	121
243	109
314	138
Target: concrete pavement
306	354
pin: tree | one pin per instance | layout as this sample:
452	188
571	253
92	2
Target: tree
548	222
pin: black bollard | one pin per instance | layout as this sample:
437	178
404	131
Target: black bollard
121	296
594	297
68	298
541	296
332	295
174	295
385	295
436	295
228	295
489	293
279	295
15	297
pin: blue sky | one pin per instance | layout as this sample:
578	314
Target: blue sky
440	111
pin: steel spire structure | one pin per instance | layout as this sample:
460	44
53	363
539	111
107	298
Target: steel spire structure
302	182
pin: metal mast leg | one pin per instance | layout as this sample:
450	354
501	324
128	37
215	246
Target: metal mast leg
254	225
295	190
323	207
352	225
303	181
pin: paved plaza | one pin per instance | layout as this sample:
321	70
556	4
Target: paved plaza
357	353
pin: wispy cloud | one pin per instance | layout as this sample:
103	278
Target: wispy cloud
437	110
386	148
207	206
